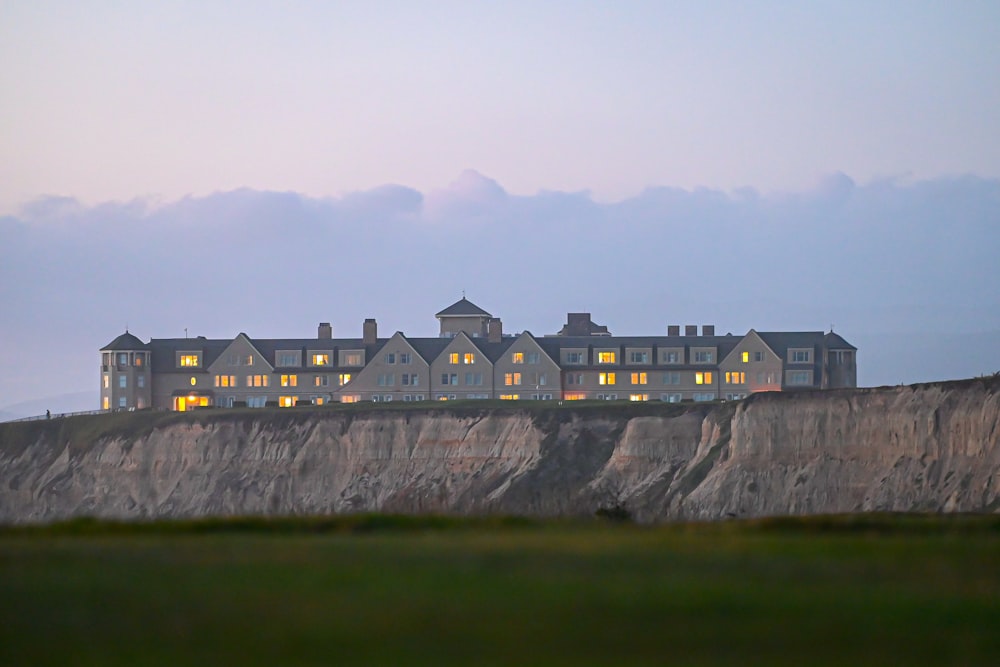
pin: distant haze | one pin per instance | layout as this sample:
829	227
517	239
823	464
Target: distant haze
906	271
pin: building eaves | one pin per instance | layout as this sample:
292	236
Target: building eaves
463	308
125	342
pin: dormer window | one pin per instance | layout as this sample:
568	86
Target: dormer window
188	359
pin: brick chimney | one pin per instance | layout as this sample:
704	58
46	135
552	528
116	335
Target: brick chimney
325	331
494	330
690	329
707	329
674	330
370	332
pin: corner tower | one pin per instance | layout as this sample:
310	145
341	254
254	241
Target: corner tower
125	375
463	315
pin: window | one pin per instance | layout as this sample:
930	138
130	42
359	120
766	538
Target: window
139	360
703	378
194	381
541	380
350	399
758	356
405	358
841	356
574	397
672	377
475	379
343	379
256	401
638	397
386	379
703	397
123	359
106	403
258	380
639	378
574	378
670	398
469	358
107	380
322	381
510	397
225	380
449	378
123	381
745	357
800	378
703	357
671	357
800	356
390	357
531	357
289	358
351	359
140	381
289	380
605	357
453	358
190	360
121	402
287	401
321	359
240	360
736	377
410	379
638	357
517	358
574	358
512	379
606	378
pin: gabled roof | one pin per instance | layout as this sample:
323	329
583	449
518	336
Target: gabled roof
463	308
125	342
781	341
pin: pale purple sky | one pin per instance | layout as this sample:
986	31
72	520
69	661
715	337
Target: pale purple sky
111	100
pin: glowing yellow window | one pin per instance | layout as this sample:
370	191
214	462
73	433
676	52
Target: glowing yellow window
189	360
350	399
194	381
746	357
289	380
605	357
510	397
319	400
638	397
638	378
453	358
575	397
736	377
106	403
511	379
517	358
703	378
344	379
287	401
606	378
321	360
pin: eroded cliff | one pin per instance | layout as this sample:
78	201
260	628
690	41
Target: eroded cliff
925	447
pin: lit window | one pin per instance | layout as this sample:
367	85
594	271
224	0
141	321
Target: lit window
703	378
258	380
189	360
512	379
605	357
453	358
194	381
746	357
105	403
736	377
575	397
469	358
225	380
517	358
510	397
107	381
322	380
638	378
343	379
321	359
289	380
138	360
638	397
350	399
606	378
287	401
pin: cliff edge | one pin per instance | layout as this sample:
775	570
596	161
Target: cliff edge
929	448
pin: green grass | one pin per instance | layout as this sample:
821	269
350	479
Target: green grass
869	590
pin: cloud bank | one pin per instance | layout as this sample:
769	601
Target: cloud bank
874	260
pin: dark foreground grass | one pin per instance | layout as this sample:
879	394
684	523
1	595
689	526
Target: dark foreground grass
384	590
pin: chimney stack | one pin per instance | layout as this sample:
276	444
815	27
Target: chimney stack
325	331
707	329
690	329
494	330
673	330
577	324
370	332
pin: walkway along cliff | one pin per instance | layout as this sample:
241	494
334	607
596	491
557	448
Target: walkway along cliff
928	448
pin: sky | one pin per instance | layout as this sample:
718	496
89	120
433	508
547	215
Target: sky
262	166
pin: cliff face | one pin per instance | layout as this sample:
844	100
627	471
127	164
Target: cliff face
926	448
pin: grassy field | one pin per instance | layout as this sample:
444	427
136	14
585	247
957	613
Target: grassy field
382	590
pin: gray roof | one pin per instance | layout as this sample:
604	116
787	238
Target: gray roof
463	308
125	342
